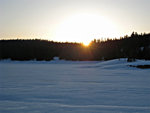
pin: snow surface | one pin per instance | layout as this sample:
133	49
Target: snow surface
74	87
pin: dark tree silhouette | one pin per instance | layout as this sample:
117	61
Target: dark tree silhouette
132	47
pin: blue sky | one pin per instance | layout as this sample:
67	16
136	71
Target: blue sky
41	18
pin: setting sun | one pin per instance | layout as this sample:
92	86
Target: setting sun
84	27
86	43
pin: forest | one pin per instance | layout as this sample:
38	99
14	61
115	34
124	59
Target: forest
135	46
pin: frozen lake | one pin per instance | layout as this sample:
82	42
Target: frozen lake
74	87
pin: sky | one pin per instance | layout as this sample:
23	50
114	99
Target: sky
72	20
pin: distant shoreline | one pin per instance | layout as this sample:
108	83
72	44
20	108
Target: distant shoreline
136	46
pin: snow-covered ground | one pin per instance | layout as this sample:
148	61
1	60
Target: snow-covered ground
74	87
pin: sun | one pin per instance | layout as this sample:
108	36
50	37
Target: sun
84	28
86	43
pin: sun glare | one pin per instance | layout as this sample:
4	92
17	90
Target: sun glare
84	28
86	43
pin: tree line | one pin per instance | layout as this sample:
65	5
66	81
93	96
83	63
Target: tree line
136	46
